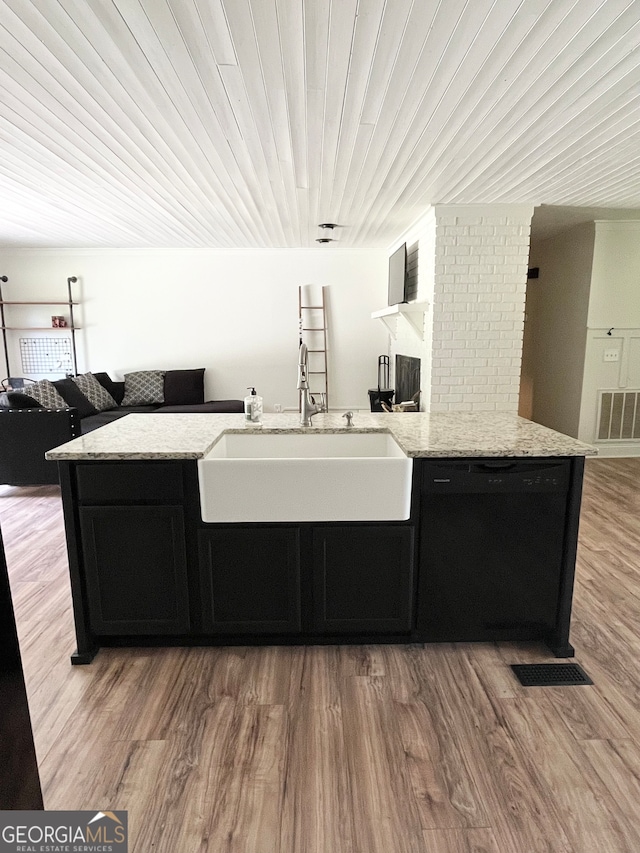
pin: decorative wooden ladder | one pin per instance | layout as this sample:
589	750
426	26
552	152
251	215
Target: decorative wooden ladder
312	322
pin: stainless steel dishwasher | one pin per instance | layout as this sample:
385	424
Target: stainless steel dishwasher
492	536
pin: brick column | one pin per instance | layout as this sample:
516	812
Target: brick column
481	260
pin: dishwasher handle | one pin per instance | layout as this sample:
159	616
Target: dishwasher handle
497	465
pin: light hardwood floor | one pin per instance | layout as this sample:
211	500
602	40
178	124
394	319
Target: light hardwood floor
375	749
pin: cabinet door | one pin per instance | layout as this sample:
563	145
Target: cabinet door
136	569
250	580
362	579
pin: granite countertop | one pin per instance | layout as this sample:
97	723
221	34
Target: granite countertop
419	434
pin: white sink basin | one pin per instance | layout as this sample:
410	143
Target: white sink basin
345	476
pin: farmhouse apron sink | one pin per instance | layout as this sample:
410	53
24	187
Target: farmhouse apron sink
347	476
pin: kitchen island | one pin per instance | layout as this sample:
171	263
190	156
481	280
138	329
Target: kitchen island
485	552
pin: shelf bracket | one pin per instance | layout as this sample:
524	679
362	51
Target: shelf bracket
416	321
392	325
412	312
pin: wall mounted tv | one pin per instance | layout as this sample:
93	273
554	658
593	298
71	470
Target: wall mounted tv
398	276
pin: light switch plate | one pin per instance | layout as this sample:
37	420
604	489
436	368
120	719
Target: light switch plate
611	355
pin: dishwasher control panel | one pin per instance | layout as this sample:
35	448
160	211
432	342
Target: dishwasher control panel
476	476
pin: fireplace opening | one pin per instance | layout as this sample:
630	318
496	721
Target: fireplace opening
407	379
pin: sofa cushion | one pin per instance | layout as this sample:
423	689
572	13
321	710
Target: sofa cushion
116	389
213	407
74	397
98	396
103	418
184	387
17	400
46	393
143	387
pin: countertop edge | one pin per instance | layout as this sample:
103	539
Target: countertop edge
420	436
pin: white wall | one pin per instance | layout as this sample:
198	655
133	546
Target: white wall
234	312
615	280
407	342
603	375
589	275
557	305
614	325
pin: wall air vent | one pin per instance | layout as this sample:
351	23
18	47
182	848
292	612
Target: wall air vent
618	415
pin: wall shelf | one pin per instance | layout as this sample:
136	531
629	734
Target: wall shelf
412	312
70	329
40	328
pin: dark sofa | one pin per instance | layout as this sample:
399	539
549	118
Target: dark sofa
28	429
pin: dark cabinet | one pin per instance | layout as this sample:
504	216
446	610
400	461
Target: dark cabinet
362	579
136	569
250	580
122	482
492	558
307	580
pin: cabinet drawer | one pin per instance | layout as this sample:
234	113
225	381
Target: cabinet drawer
130	481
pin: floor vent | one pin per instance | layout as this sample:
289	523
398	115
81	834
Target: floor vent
550	674
619	415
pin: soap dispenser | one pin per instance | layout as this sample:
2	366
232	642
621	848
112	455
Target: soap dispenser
253	408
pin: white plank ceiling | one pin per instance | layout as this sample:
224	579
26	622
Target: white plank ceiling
246	123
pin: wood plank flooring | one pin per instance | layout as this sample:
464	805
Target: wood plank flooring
353	749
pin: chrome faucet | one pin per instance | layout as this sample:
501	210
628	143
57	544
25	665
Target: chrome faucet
308	406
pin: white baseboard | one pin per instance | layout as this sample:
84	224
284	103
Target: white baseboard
617	449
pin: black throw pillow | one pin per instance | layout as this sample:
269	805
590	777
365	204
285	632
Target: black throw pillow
72	395
184	387
116	389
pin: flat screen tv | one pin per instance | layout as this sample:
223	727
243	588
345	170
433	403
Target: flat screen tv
398	275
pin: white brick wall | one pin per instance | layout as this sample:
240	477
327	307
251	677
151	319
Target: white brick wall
472	270
481	260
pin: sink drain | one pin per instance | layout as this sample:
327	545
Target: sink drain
550	674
